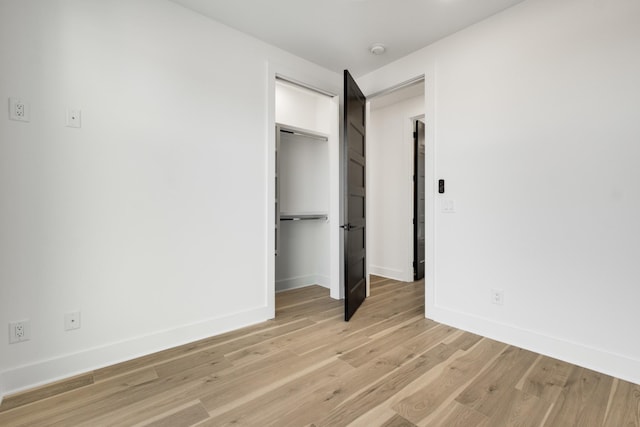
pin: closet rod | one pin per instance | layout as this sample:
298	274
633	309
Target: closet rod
304	85
306	135
302	217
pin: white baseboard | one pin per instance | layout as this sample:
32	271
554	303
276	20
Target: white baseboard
33	375
389	273
301	282
608	363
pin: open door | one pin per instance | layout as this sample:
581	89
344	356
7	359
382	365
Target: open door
418	202
355	282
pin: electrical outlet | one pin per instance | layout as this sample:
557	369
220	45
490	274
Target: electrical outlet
74	117
72	321
19	110
19	331
497	297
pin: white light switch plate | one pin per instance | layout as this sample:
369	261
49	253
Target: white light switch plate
448	206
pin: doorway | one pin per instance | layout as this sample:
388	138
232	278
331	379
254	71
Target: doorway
336	242
303	187
391	161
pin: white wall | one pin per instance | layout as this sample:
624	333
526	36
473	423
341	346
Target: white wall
303	108
304	250
152	219
537	123
390	154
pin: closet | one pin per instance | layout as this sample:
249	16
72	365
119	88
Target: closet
303	137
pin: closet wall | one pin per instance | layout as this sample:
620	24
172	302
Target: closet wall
303	175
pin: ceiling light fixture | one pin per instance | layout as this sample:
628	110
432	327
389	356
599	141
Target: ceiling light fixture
378	49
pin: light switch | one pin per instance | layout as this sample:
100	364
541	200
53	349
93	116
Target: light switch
448	206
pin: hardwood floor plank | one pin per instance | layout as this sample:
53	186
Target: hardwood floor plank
427	400
215	355
183	418
222	395
398	421
336	313
383	389
301	310
625	406
581	400
458	415
244	335
459	339
153	397
393	338
547	378
498	381
56	408
519	409
211	358
185	388
324	399
428	338
320	335
381	324
294	297
268	408
378	417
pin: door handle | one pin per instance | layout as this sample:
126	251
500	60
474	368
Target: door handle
347	227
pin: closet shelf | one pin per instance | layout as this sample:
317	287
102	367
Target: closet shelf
303	216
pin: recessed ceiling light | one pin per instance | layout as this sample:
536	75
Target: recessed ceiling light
377	49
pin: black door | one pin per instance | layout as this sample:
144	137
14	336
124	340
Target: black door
355	282
418	202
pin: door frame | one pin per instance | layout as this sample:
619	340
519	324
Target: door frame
329	87
334	85
414	121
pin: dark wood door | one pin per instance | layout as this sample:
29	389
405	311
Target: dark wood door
418	202
355	282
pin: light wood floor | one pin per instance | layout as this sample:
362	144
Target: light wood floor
389	366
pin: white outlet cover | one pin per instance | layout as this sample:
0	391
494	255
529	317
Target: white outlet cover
497	296
19	331
19	110
74	118
72	321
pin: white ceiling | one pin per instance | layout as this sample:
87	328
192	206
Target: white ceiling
337	34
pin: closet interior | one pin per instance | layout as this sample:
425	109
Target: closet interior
303	137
